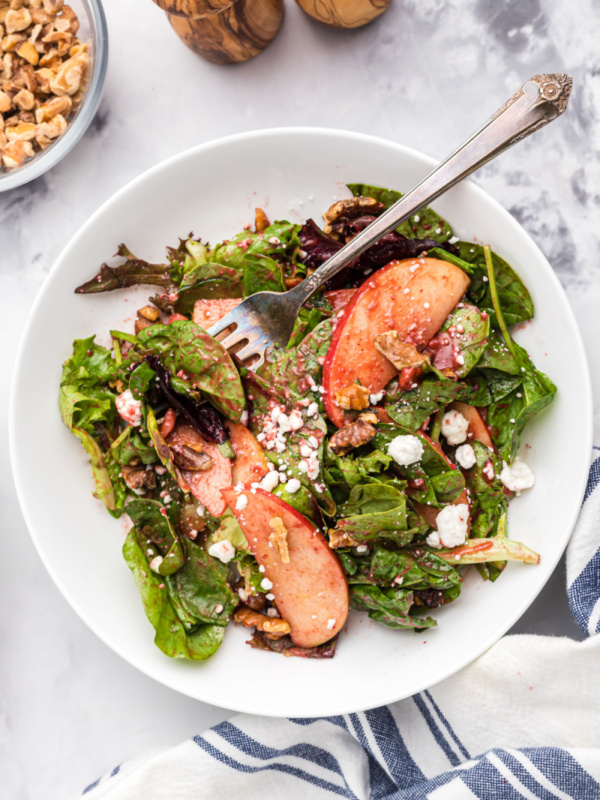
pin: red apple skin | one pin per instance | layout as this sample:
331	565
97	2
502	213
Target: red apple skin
309	591
209	312
339	298
477	429
381	304
250	463
205	486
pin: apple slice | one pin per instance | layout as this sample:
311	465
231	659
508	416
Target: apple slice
477	428
209	312
250	463
205	486
412	297
339	298
311	591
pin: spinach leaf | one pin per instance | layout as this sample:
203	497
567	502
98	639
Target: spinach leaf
182	345
202	587
498	357
515	300
390	607
171	636
374	511
262	274
508	416
470	335
131	447
152	520
411	409
424	225
140	379
306	321
488	502
279	241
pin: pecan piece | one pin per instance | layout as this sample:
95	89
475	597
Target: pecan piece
261	221
139	478
354	434
347	209
278	539
187	458
353	398
273	626
401	354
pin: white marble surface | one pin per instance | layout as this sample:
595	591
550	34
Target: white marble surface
424	75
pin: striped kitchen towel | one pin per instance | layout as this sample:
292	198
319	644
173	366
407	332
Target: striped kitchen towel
523	721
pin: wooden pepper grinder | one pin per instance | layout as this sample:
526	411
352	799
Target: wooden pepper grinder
224	31
344	13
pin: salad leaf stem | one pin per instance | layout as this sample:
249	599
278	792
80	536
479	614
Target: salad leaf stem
489	263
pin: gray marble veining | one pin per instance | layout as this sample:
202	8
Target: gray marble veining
424	74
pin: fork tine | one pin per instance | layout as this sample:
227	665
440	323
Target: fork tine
234	338
251	349
223	323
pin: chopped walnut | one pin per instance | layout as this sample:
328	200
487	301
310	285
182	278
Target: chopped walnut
339	539
261	221
401	354
48	110
15	153
354	434
139	478
354	207
278	539
17	20
189	459
353	398
24	100
273	626
43	68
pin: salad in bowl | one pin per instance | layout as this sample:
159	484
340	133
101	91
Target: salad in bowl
365	466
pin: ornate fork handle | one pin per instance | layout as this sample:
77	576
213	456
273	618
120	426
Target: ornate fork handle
540	100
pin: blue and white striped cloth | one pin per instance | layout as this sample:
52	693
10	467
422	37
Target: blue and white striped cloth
523	721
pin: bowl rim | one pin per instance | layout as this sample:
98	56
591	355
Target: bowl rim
49	158
249	705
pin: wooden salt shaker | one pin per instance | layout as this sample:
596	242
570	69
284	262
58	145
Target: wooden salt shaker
344	13
224	31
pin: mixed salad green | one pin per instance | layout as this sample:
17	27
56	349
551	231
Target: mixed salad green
408	483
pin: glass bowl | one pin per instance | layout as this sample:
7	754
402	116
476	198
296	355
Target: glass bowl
93	32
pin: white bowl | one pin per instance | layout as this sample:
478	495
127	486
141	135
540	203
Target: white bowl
213	190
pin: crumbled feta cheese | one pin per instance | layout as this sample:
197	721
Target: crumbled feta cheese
242	595
283	421
241	502
266	584
293	485
312	468
488	470
517	476
275	412
272	612
312	440
160	470
306	451
454	427
261	437
280	447
361	549
465	456
200	509
222	550
376	398
405	450
218	608
270	596
155	563
331	624
261	568
452	525
129	408
313	410
295	420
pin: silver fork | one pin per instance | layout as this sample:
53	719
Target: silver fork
267	318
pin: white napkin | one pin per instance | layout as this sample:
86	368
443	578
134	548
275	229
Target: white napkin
523	721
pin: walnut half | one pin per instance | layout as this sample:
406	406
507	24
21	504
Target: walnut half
354	434
401	354
278	539
353	207
273	627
